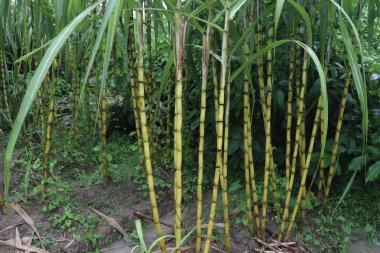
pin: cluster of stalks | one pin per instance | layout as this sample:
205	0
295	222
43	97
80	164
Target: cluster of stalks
219	47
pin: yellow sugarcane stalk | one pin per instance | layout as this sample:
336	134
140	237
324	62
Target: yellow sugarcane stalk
223	178
144	130
334	153
246	159
180	28
205	63
289	116
219	134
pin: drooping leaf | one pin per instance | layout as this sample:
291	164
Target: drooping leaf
373	172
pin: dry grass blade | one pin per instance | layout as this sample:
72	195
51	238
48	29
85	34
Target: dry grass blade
10	227
110	220
12	243
18	240
27	219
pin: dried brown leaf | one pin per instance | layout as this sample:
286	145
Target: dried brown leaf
110	220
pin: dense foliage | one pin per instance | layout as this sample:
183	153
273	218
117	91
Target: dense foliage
280	98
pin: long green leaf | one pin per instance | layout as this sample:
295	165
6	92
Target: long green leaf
110	7
359	82
306	18
111	31
277	13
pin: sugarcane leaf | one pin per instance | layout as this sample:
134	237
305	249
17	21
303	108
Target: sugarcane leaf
236	7
140	235
35	84
348	187
306	18
359	82
155	242
373	172
24	57
111	31
354	29
107	14
357	163
277	13
165	74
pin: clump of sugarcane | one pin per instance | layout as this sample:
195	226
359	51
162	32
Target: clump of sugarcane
263	99
334	153
219	127
49	128
144	128
300	90
205	63
133	75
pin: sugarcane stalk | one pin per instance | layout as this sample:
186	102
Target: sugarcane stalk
144	130
223	178
321	163
246	159
334	153
180	27
219	157
289	116
42	112
133	75
5	93
2	205
49	129
205	63
103	133
169	106
215	86
252	174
